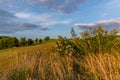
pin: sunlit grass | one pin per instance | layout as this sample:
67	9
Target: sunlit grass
14	57
93	58
55	67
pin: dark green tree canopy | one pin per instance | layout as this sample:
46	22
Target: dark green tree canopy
47	38
29	42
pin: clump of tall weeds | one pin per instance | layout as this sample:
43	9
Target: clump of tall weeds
98	40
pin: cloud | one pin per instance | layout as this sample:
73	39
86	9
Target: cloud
8	23
34	17
22	15
4	15
43	19
108	24
14	27
64	6
44	28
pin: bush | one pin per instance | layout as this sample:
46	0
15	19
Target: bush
98	40
47	38
29	42
40	41
23	41
8	42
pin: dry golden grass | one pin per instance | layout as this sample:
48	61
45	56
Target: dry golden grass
40	63
11	58
92	67
103	66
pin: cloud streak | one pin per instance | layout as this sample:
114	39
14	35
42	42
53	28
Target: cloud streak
5	15
44	19
108	24
8	23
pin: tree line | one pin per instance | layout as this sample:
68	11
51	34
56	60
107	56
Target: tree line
8	42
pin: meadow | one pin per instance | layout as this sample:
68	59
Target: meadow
92	57
14	57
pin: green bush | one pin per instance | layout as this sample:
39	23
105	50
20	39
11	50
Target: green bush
98	40
23	41
8	42
29	42
47	38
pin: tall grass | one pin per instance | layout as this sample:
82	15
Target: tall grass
95	56
54	67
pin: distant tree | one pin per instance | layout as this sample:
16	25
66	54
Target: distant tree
40	41
6	42
1	44
47	38
36	41
29	42
73	34
16	41
23	41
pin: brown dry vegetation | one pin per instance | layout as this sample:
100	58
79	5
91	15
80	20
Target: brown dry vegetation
29	63
14	57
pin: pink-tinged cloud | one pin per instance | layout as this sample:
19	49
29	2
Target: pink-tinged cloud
108	24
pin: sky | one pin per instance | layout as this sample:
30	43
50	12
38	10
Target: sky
40	18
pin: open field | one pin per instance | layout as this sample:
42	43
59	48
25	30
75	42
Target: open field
93	57
59	40
10	58
23	64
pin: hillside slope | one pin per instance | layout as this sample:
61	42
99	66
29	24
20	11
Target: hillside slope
11	57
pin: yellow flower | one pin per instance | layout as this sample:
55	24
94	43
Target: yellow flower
69	68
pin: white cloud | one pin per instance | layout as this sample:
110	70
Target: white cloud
33	17
57	22
108	24
22	15
43	19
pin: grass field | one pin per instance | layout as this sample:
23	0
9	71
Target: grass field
39	62
11	58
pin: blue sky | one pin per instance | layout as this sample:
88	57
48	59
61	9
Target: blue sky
40	18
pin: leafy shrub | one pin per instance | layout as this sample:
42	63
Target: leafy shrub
23	41
8	42
47	38
98	40
65	46
29	42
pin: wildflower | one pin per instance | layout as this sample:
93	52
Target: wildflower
70	68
